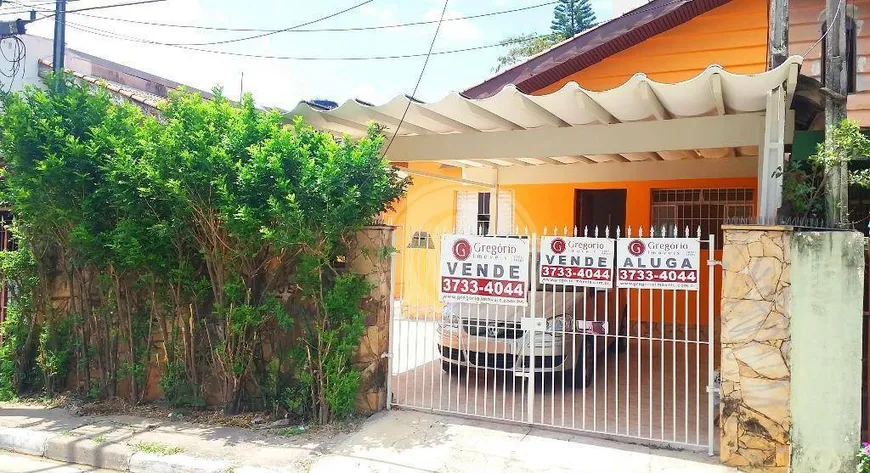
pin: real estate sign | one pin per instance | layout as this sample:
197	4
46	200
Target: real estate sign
658	263
577	261
484	269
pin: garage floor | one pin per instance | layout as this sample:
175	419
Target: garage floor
654	391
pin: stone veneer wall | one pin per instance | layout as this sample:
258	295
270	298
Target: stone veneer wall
369	256
755	420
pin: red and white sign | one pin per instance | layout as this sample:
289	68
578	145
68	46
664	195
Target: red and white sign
577	261
484	269
658	263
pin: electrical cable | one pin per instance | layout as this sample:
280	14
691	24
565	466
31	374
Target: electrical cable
317	30
16	60
113	35
97	7
827	30
263	35
419	79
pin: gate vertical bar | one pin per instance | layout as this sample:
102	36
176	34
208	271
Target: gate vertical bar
530	396
393	265
711	280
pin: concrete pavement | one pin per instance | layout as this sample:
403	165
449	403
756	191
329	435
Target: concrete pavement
394	441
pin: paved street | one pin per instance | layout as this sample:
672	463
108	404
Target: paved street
13	463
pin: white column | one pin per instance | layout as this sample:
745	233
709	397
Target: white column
771	154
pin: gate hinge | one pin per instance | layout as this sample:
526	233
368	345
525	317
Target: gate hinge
387	355
714	262
712	389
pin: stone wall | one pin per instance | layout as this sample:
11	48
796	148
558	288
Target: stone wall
370	256
755	420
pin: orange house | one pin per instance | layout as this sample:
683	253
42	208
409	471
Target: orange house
663	117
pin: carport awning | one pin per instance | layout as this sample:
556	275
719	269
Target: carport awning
715	114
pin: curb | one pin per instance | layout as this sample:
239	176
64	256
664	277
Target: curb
24	441
110	456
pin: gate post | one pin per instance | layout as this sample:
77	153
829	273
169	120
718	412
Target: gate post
369	256
755	420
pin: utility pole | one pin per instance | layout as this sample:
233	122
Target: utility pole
778	33
837	192
59	39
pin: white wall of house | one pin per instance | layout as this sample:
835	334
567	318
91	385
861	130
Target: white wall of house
37	48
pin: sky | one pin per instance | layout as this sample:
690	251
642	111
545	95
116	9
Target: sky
283	83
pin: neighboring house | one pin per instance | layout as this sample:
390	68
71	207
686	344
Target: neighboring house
123	82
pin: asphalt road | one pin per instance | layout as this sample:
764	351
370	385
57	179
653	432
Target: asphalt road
13	463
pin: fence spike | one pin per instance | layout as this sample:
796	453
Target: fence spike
652	231
699	231
640	231
607	231
565	230
586	230
545	231
628	232
575	230
595	231
526	230
618	231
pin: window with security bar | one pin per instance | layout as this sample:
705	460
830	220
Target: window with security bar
709	209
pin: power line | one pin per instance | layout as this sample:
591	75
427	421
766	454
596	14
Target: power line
316	30
262	35
113	35
419	78
97	7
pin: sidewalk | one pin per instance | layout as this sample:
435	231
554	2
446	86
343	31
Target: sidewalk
395	441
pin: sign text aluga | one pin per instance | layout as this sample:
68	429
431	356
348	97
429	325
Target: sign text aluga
658	263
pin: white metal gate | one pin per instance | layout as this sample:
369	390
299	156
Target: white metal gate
627	363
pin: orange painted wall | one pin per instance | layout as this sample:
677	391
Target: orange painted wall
552	205
805	28
733	36
540	206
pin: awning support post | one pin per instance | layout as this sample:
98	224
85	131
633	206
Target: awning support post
771	157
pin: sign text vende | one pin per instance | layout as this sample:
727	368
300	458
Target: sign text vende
484	269
577	261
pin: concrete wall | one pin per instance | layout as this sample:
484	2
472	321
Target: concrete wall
826	332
